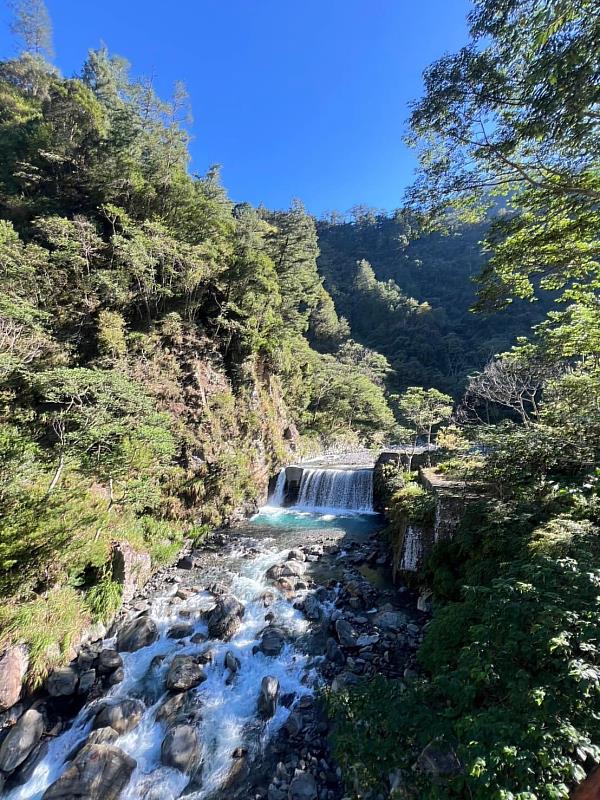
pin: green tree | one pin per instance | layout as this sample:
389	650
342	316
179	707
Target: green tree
423	409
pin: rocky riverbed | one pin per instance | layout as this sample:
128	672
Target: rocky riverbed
210	682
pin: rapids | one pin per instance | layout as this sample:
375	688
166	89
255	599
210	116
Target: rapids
228	718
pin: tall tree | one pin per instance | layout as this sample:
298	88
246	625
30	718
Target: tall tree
32	27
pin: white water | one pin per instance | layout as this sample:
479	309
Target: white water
412	550
229	717
277	497
336	490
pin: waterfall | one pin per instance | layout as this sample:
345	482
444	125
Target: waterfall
412	549
278	495
336	490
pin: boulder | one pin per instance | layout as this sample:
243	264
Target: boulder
296	555
345	633
231	662
312	607
181	748
180	630
174	709
366	640
293	568
272	640
333	652
13	666
268	697
62	682
98	772
187	562
122	716
303	787
137	633
24	772
130	568
20	740
294	724
240	771
116	677
109	661
86	680
184	673
225	619
274	572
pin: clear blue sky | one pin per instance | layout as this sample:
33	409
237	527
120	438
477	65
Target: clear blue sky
295	98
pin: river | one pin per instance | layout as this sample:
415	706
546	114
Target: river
303	583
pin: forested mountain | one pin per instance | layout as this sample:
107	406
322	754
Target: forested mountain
154	363
410	296
503	701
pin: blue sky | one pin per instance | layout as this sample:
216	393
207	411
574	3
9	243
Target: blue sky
295	98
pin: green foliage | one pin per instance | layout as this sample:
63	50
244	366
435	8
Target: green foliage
48	625
408	295
104	599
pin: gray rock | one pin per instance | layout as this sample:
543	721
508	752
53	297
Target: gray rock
86	681
231	662
303	787
122	716
345	633
225	620
99	772
180	630
333	652
274	572
181	749
312	607
367	639
390	620
116	677
137	633
130	568
185	563
94	633
174	709
272	640
268	697
293	568
13	666
102	736
62	682
24	772
438	760
109	661
240	770
296	555
20	740
294	724
198	638
184	673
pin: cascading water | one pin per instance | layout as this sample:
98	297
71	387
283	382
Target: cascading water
277	497
227	708
336	490
412	550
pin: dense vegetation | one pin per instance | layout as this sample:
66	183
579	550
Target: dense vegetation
154	360
507	696
409	295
